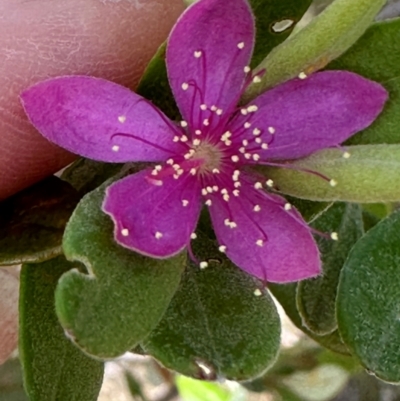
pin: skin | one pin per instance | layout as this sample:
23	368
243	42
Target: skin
39	39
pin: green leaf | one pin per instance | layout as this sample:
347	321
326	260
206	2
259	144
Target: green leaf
275	20
54	369
370	175
377	56
368	306
316	298
286	295
86	175
216	325
32	222
327	36
123	296
196	390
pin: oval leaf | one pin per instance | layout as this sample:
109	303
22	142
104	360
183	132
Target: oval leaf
327	36
216	325
54	369
109	310
316	298
368	306
32	222
370	175
377	56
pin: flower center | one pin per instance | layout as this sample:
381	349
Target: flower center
209	155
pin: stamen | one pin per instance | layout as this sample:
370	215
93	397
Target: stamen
125	232
270	183
203	265
257	208
264	146
197	132
247	69
346	155
206	122
219	112
203	107
252	109
235	158
271	130
287	206
196	142
115	148
240	45
258	185
184	124
215	171
302	75
247	125
185	202
198	54
333	183
158	235
208	202
122	119
222	248
257	292
256	79
335	236
260	242
256	157
185	86
184	138
193	235
256	131
170	161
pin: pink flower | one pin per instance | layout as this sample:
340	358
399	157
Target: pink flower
208	157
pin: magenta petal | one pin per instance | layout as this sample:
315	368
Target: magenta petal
221	35
154	220
99	119
320	111
271	244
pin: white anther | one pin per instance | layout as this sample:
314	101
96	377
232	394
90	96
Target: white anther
176	176
209	190
271	130
256	131
213	108
257	292
247	156
185	202
225	197
197	132
115	148
257	208
222	248
242	149
252	109
256	79
260	242
184	138
235	158
184	124
302	75
228	142
236	172
203	265
334	236
185	86
236	192
170	161
122	119
232	224
243	111
154	172
196	142
240	45
158	235
224	191
203	107
180	171
270	183
346	155
215	171
206	122
245	142
264	146
333	182
215	188
258	185
247	125
193	171
247	69
237	184
208	202
258	140
125	232
197	54
175	139
287	206
219	112
256	157
204	191
176	167
193	235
